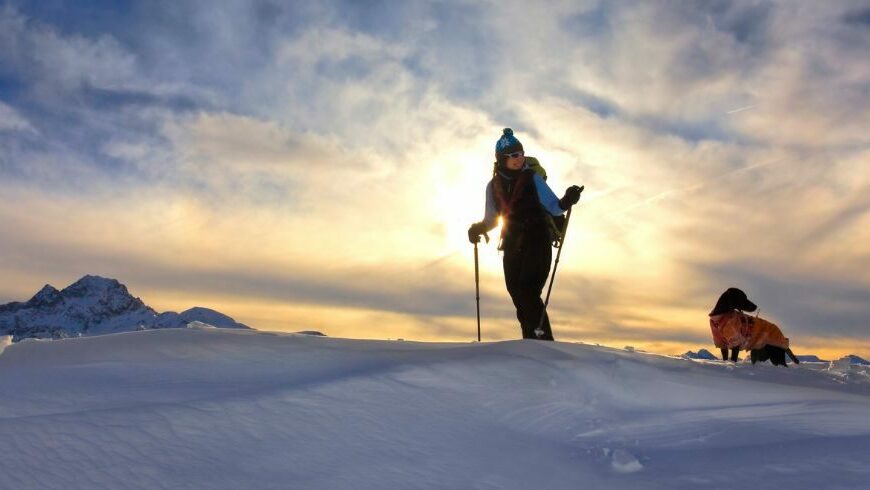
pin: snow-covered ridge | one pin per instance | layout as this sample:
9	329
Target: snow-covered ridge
94	305
219	408
813	360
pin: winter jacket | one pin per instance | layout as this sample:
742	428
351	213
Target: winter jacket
544	196
736	329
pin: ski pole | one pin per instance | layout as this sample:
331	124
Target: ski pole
477	284
477	290
539	332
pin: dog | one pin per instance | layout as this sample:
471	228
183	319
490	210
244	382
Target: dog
735	330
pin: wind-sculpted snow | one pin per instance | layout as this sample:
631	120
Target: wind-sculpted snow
214	408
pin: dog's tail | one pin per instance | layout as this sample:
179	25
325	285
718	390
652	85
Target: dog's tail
793	357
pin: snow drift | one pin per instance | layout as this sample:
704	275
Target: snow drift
215	408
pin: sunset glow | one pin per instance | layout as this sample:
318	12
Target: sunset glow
315	166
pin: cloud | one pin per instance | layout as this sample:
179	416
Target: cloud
334	153
10	120
859	17
192	263
79	91
676	69
669	209
55	64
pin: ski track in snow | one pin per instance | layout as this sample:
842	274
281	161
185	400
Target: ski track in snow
208	408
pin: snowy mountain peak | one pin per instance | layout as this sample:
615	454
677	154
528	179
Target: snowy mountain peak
103	296
46	296
171	319
94	305
89	285
855	360
810	358
206	315
701	354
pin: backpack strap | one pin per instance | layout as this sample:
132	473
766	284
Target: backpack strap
505	202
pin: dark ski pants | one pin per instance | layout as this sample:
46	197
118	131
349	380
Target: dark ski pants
526	268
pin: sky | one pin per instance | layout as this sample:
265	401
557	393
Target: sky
315	165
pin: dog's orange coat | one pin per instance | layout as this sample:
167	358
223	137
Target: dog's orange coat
737	329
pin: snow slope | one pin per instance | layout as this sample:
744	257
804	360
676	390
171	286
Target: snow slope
214	408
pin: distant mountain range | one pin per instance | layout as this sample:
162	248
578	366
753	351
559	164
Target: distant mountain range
94	305
709	356
853	359
810	358
701	354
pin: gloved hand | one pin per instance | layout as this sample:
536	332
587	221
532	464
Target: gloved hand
572	195
474	232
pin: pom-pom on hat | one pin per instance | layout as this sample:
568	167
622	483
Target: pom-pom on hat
508	143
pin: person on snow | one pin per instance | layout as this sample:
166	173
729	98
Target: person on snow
735	330
519	195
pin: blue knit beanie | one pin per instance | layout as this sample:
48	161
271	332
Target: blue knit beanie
508	143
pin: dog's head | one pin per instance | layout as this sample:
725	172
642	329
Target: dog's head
733	299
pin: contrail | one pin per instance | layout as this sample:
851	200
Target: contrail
735	111
690	188
438	260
